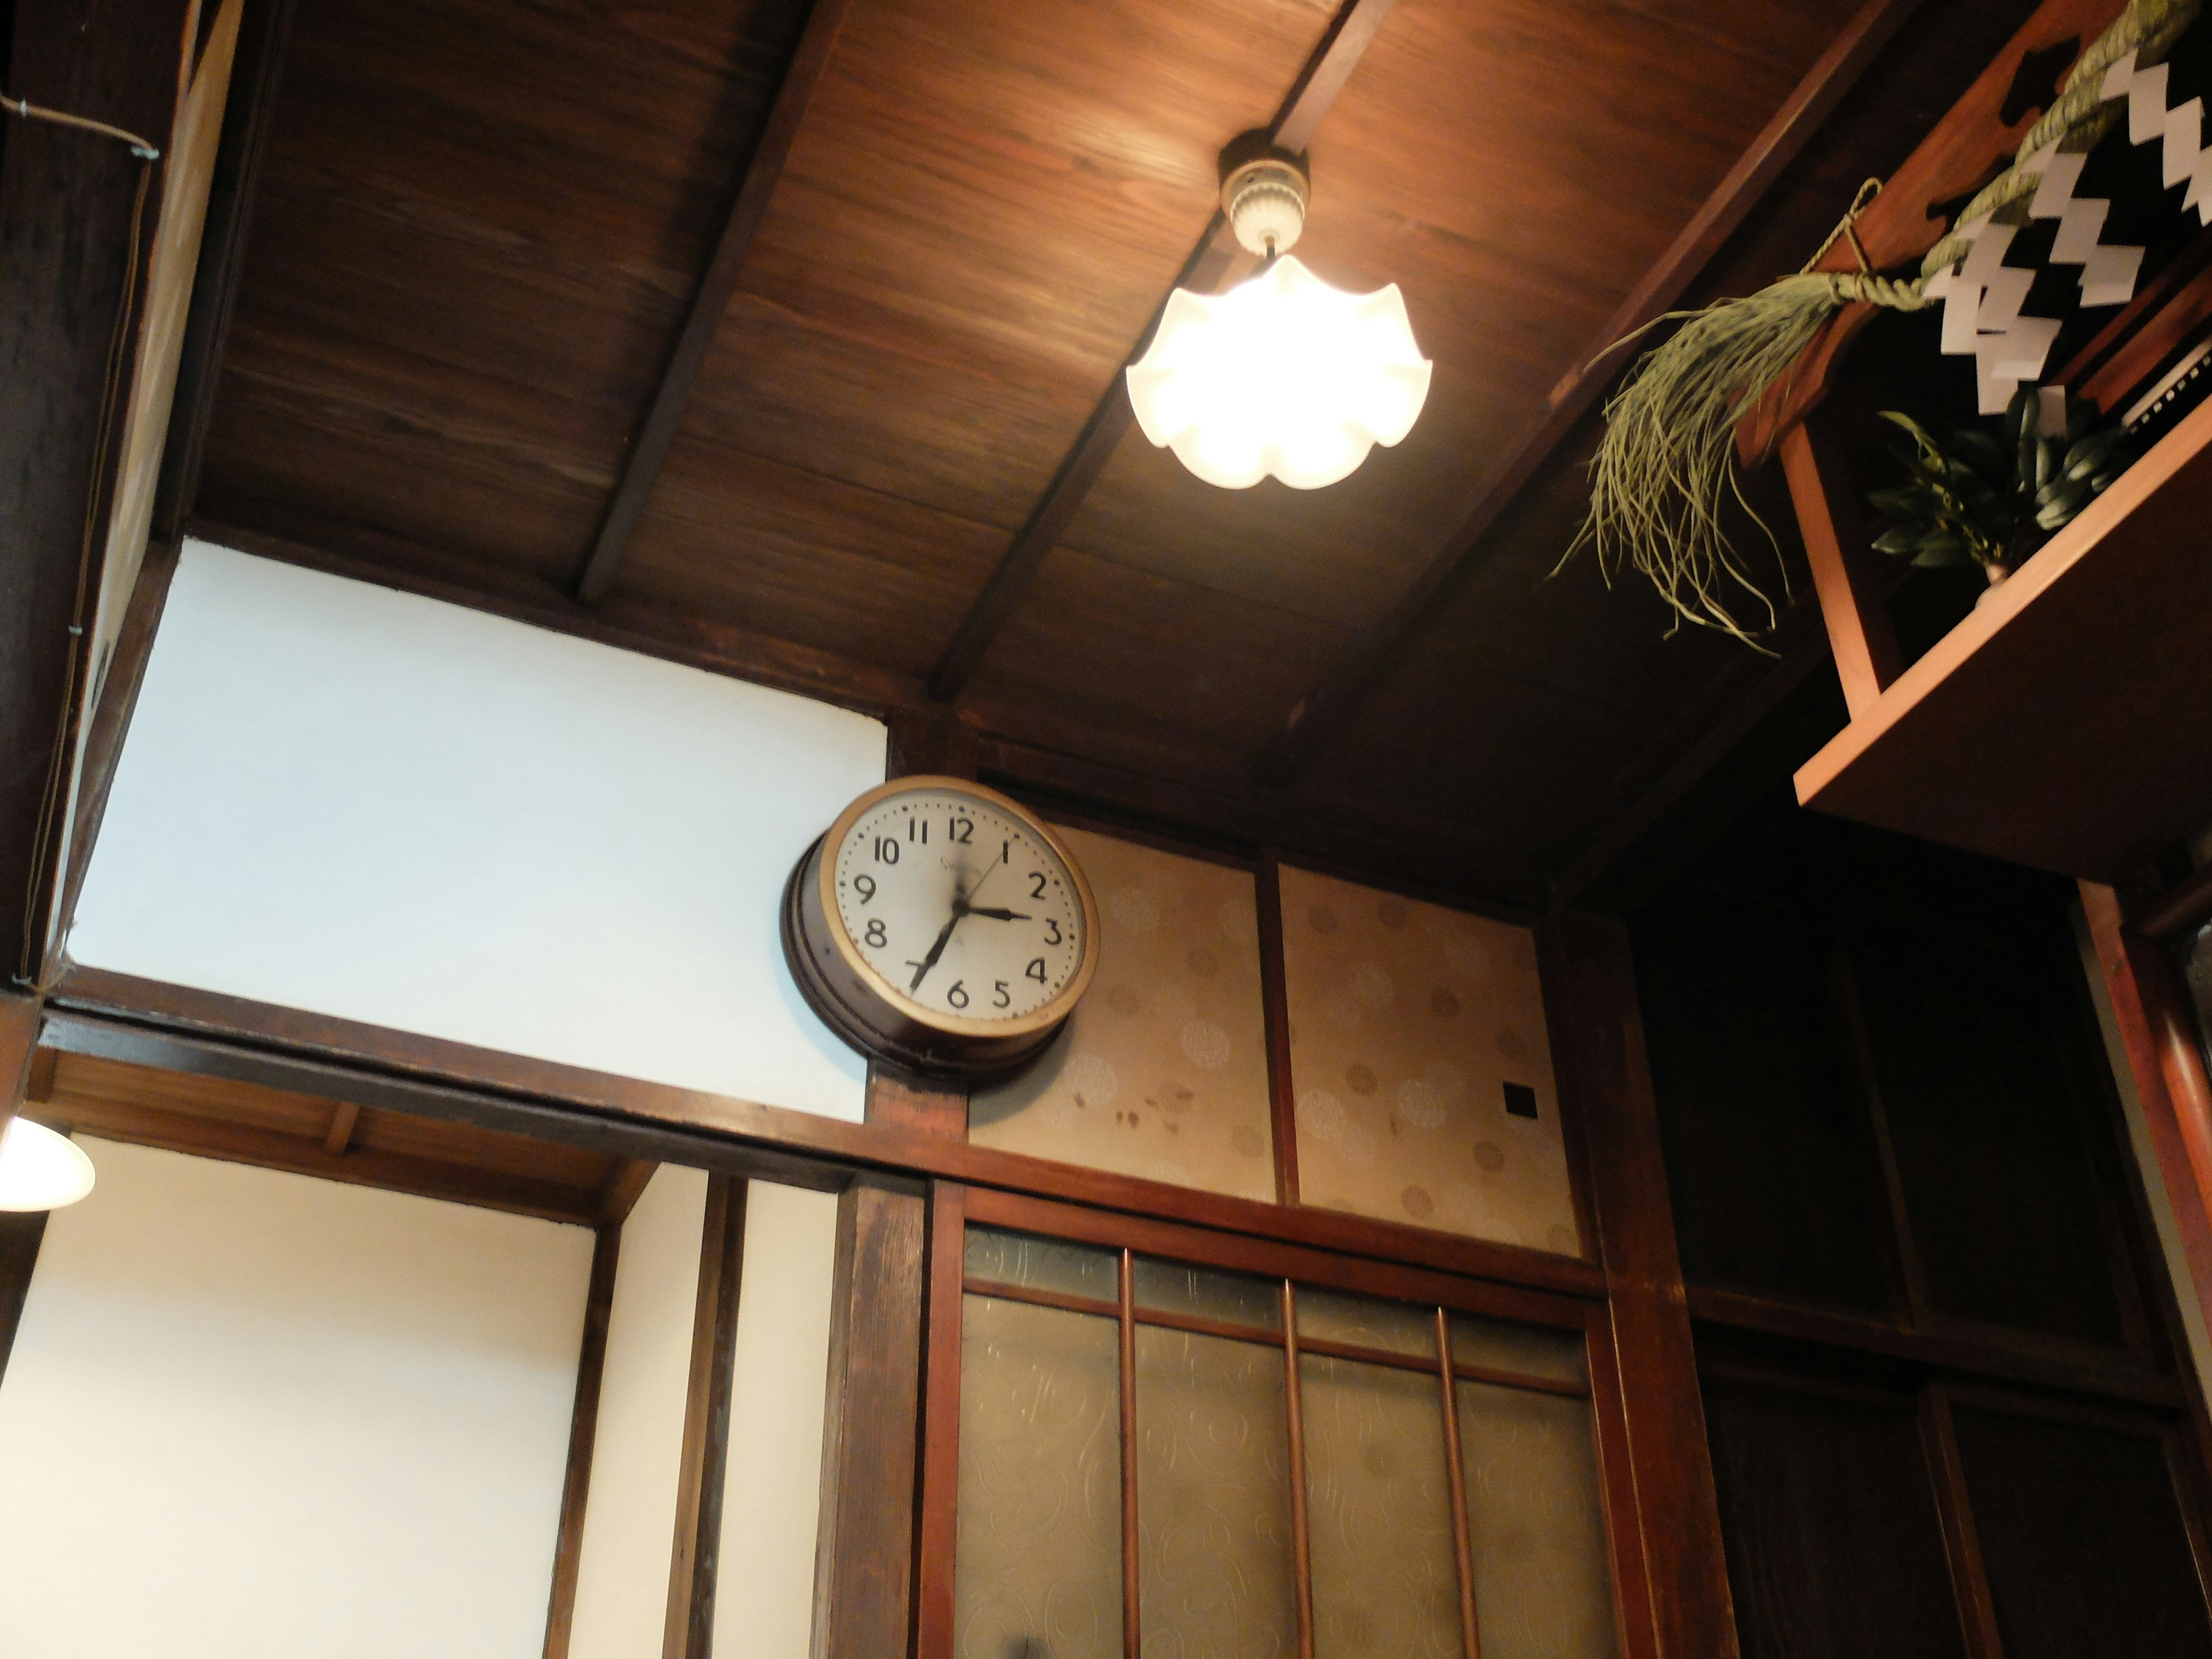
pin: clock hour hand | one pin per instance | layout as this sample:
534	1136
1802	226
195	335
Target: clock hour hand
999	915
944	933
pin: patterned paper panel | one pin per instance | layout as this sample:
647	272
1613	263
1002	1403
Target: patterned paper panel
1421	1066
1162	1069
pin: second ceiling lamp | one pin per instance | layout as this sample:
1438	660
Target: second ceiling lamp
1283	375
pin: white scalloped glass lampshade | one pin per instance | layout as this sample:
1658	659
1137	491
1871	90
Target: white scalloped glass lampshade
1283	375
40	1169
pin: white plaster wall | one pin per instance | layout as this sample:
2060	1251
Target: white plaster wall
339	798
251	1415
772	1490
630	1513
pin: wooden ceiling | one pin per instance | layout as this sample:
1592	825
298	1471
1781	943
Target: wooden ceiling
479	227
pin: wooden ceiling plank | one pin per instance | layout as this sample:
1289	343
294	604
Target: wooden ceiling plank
1321	712
1315	89
665	415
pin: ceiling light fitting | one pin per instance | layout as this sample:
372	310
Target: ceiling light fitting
1283	375
40	1169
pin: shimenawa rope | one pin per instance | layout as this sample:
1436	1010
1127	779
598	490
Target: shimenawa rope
1666	466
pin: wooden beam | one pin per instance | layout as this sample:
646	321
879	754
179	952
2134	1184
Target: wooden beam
2158	1031
21	1235
1326	71
2187	904
623	1189
264	37
207	1034
1860	633
1677	1510
68	203
19	1040
690	1631
1332	698
664	416
583	1440
866	1548
343	1116
117	701
271	1149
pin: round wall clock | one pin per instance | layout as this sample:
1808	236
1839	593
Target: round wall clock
941	928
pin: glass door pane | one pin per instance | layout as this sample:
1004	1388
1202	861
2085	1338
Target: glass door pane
1542	1587
1385	1573
1039	1556
1218	1579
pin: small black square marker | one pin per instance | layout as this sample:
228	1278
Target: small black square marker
1520	1100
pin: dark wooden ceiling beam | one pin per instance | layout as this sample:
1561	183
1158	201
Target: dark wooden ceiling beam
1336	694
648	451
1318	83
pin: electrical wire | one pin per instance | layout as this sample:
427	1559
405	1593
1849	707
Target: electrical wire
119	355
31	111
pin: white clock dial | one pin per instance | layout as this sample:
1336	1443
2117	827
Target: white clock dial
958	906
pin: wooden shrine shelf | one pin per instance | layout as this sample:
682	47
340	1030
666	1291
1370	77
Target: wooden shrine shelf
2067	723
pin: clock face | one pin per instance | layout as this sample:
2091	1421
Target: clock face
961	906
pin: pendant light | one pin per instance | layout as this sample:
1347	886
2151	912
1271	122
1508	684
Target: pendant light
1283	375
40	1169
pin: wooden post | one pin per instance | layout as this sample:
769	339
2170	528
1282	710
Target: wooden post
19	1041
864	1555
583	1438
1860	633
2158	1032
930	740
689	1631
1677	1511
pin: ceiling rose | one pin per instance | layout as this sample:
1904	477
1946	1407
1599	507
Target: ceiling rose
1283	375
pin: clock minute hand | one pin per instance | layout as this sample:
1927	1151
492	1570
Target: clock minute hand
1000	915
937	950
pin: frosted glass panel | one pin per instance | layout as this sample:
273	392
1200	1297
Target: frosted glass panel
1163	1070
1213	1498
1043	1264
1530	1350
1203	1293
1335	1317
1038	1572
1385	1580
1542	1587
1421	1066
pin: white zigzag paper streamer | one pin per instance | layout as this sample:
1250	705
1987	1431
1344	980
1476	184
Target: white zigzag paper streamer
1981	296
2180	130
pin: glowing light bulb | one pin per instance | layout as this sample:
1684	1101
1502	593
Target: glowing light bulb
40	1169
1282	374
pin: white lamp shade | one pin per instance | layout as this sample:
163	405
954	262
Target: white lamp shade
40	1169
1283	375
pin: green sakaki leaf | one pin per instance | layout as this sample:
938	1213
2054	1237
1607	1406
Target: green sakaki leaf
1905	538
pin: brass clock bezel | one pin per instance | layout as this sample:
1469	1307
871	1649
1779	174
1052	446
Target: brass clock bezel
875	1015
